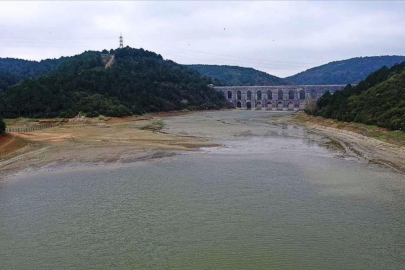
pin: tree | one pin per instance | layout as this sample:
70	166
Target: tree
2	127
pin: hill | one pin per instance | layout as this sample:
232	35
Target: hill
7	80
139	81
378	100
349	71
234	75
24	69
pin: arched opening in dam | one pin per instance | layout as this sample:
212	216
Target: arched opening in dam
291	106
239	95
269	106
229	94
258	105
280	105
259	95
269	95
280	95
238	105
302	94
291	94
248	105
249	95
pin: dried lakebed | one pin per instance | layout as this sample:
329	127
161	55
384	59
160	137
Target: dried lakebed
273	196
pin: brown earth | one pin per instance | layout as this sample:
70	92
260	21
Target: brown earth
110	62
96	140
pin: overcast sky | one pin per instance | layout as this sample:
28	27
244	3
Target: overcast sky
281	38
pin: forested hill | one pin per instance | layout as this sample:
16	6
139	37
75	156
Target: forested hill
139	81
378	100
24	69
7	79
349	71
234	75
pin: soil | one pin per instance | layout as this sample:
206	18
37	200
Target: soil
93	141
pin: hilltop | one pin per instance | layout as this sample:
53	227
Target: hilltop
350	71
235	75
138	81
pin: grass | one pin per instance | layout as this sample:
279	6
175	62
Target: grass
396	137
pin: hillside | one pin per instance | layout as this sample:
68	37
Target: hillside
7	80
234	75
29	69
349	71
378	100
139	81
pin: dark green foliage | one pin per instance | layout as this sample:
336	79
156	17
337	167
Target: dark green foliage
24	69
349	71
7	80
2	127
234	75
139	81
378	100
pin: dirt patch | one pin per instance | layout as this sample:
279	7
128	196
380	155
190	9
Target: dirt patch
9	145
94	140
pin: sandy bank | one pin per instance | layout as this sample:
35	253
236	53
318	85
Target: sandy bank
93	141
376	145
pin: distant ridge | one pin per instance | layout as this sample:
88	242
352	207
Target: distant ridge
348	71
235	75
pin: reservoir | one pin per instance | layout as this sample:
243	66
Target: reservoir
270	196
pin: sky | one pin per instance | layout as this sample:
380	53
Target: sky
281	38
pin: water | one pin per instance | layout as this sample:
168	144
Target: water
273	198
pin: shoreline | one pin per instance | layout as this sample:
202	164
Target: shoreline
129	140
92	142
349	137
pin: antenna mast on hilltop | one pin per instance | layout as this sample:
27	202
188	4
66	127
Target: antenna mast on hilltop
121	42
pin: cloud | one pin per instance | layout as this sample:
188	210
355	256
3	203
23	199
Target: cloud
281	38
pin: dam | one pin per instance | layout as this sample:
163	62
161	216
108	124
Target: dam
277	97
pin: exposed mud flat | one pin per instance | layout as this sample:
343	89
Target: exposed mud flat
91	142
388	151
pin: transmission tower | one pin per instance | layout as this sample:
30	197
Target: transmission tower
121	42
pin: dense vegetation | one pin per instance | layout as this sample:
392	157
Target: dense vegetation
234	75
7	79
349	71
139	81
2	127
24	69
378	100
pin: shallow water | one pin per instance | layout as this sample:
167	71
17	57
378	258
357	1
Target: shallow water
272	198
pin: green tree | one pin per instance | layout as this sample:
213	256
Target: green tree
2	127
